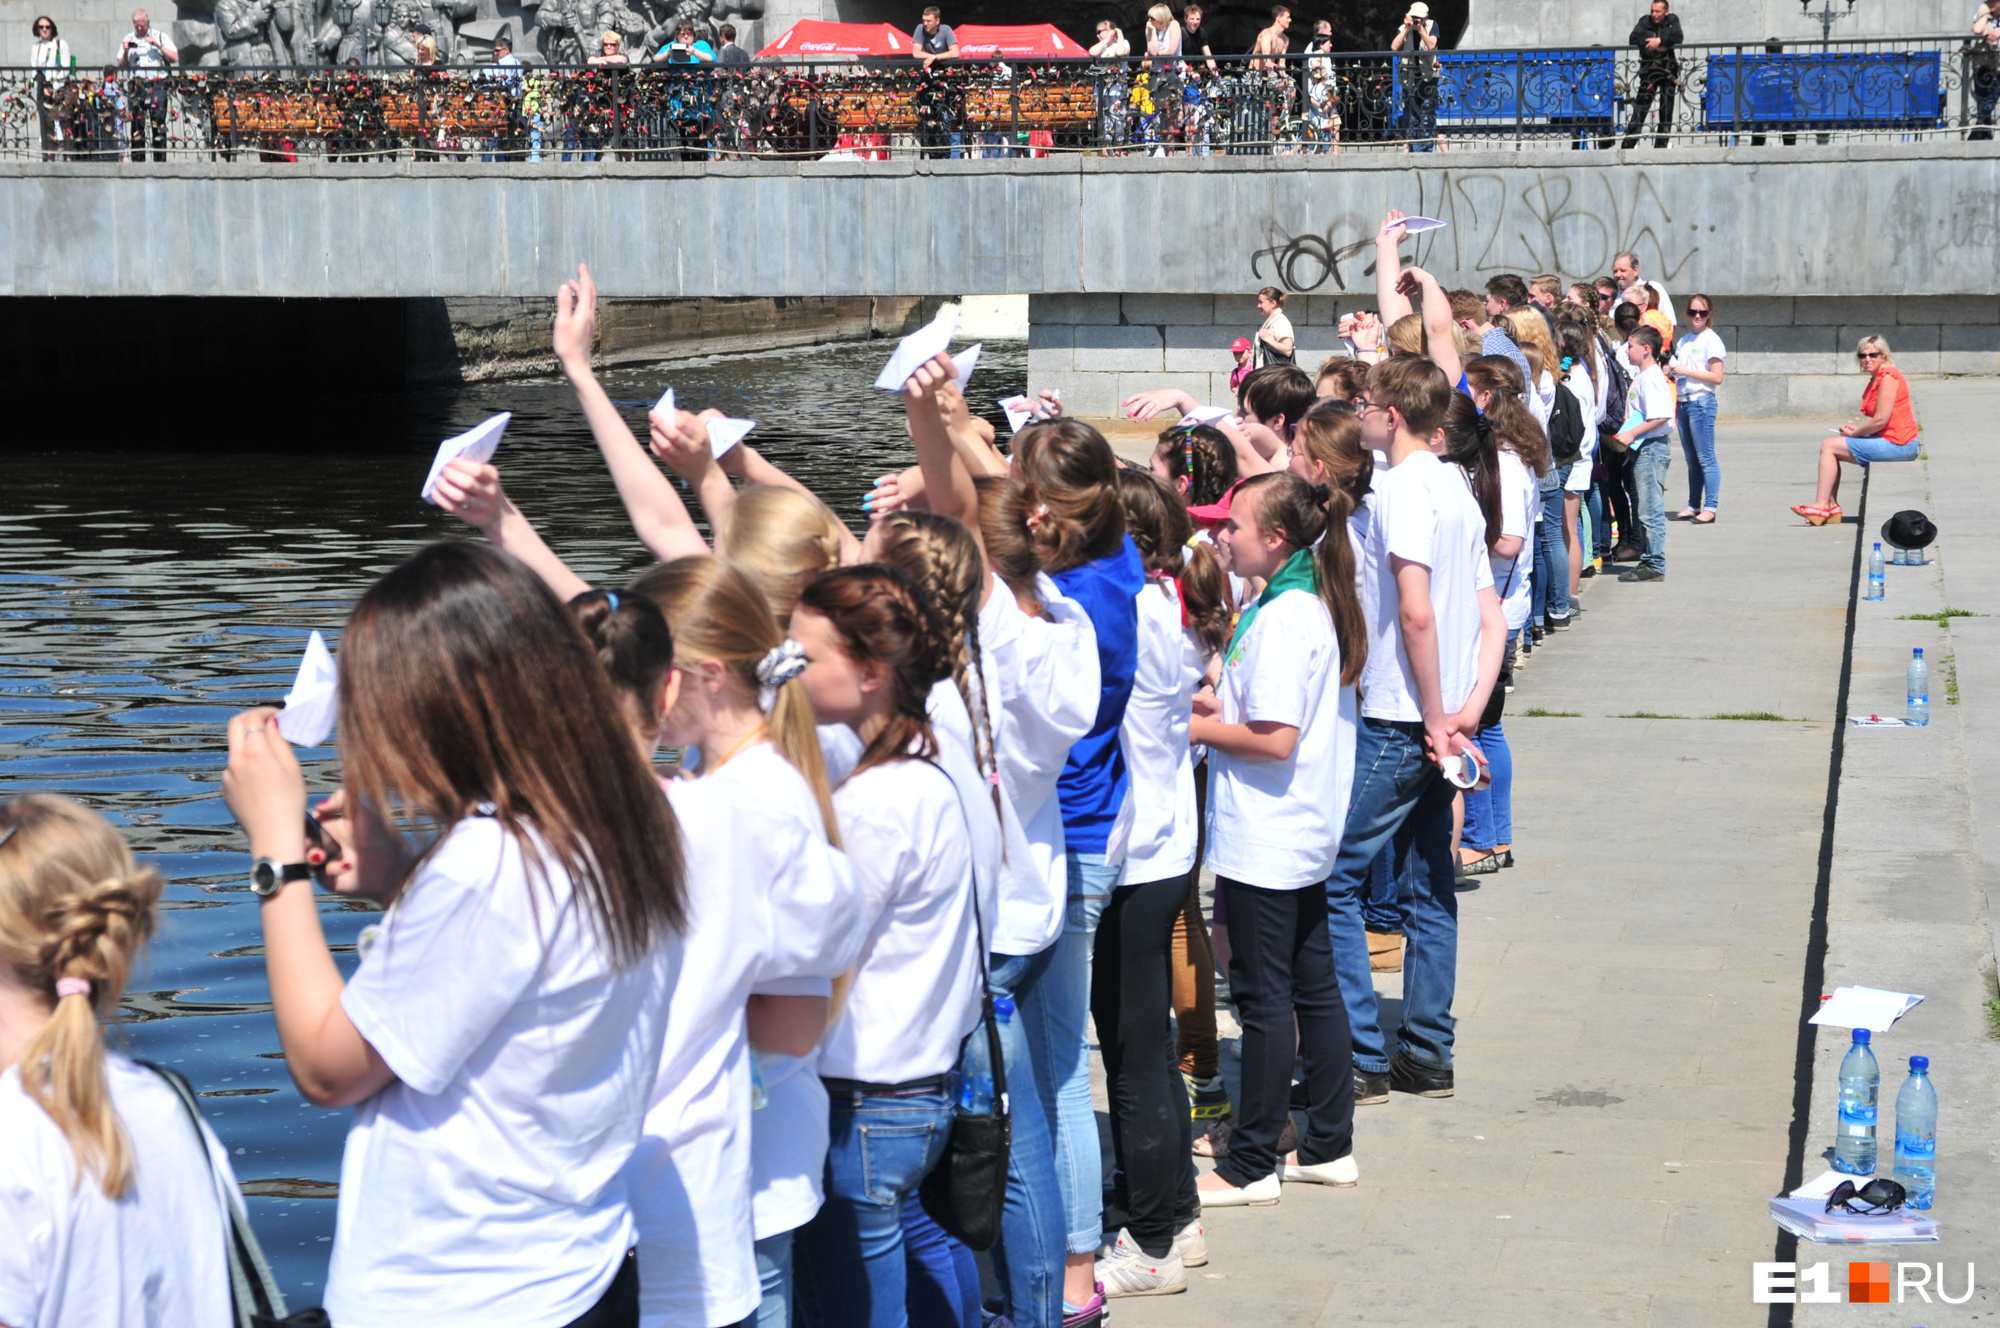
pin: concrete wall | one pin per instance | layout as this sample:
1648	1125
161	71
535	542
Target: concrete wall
1609	22
1788	356
1846	220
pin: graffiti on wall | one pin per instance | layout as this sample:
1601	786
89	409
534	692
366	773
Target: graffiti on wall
1568	222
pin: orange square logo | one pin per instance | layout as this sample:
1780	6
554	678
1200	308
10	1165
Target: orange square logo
1868	1284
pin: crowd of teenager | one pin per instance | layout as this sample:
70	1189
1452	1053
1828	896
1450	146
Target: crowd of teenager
729	912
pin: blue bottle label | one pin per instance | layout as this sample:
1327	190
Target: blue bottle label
1916	1146
1858	1113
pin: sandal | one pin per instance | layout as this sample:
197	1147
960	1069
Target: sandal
1707	518
1216	1142
1817	516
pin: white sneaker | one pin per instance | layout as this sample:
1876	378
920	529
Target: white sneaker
1127	1271
1257	1194
1191	1243
1342	1172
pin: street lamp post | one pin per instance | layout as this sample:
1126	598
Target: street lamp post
1827	15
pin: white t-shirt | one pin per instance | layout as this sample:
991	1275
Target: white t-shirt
72	1258
1651	398
1046	680
996	832
1424	513
1520	497
485	1186
768	900
1693	351
1277	824
1589	400
1541	399
1154	738
915	991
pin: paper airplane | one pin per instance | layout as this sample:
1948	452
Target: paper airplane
1206	415
1020	412
963	363
478	442
919	346
1418	225
1864	1007
665	405
726	433
309	707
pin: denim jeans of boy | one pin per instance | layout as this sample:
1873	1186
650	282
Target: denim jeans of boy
848	1269
1651	460
1551	552
1399	798
1033	1227
1379	910
774	1274
1697	424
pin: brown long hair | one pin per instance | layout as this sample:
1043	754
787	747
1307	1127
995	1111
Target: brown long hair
883	618
1071	471
1330	434
717	613
463	681
636	648
1468	442
1308	516
73	904
1003	530
1161	528
1514	425
782	538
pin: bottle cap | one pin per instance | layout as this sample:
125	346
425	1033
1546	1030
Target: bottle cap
1918	651
1919	1063
1003	1007
1861	1037
1878	544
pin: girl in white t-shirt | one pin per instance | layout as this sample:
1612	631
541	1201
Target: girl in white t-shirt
111	1198
874	650
501	1039
1184	614
1280	731
775	918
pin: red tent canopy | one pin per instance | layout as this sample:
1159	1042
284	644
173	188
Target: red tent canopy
812	38
980	40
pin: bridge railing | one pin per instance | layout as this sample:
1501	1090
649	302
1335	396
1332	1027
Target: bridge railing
1303	103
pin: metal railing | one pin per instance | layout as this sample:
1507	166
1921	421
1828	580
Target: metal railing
1310	103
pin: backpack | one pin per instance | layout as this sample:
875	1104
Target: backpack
1615	394
1565	427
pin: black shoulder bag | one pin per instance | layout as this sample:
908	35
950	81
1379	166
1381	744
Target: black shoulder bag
253	1292
966	1192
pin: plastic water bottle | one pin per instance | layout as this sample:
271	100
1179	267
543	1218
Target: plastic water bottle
1919	711
975	1090
1916	1134
1875	586
1860	1084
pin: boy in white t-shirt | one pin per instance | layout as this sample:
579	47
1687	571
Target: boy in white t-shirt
1435	637
1649	419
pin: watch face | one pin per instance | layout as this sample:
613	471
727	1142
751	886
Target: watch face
264	877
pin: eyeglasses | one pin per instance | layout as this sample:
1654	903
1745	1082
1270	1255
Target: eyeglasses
1697	313
43	27
1362	405
1868	355
1877	1197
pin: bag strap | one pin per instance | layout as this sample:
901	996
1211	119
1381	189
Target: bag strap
986	1014
253	1291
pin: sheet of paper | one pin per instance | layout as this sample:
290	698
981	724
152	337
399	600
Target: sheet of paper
1207	415
1820	1186
478	442
311	704
1418	225
1864	1007
963	363
1874	722
724	434
665	405
1020	412
919	346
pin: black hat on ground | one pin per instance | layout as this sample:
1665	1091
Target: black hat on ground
1909	530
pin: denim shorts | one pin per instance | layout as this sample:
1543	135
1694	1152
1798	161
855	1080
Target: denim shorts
1866	450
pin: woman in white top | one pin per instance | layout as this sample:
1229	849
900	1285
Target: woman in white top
1274	339
1696	369
1163	33
1280	731
1584	377
501	1039
1110	43
1184	614
873	651
111	1198
52	53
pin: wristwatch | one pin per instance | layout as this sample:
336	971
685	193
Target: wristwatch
268	875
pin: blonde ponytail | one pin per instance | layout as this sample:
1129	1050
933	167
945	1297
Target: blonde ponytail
75	912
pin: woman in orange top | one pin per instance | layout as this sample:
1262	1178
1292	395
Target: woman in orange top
1888	433
1656	317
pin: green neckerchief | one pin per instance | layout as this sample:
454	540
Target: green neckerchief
1298	573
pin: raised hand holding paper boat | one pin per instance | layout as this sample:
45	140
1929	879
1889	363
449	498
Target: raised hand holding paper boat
314	699
478	442
921	345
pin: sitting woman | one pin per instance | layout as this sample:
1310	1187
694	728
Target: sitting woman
1888	432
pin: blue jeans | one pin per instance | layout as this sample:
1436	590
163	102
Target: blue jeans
1600	527
1054	1015
774	1272
1029	1258
1551	553
1489	812
1650	462
1379	910
1399	798
943	1288
850	1271
1697	423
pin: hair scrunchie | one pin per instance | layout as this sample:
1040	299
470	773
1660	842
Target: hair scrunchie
781	663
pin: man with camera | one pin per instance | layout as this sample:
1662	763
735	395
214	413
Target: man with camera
1656	36
1419	36
147	54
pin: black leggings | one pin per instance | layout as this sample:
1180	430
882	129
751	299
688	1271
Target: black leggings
1131	997
1281	964
618	1307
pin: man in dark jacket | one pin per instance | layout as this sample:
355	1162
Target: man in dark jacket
1656	36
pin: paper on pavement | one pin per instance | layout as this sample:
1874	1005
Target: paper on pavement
309	707
962	365
919	346
724	434
1864	1007
1874	722
478	442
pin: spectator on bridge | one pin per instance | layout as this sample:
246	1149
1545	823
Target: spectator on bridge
687	48
1656	36
1198	36
1163	34
1695	370
51	53
731	53
610	50
1274	339
1888	431
147	54
1985	60
1419	35
1274	40
932	40
1626	283
1110	43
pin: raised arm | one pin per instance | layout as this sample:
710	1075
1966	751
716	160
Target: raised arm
1390	303
1440	343
947	482
658	516
471	492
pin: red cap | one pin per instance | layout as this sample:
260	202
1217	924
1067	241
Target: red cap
1241	343
1217	510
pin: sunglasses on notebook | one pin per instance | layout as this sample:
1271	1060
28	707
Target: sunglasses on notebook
1877	1197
